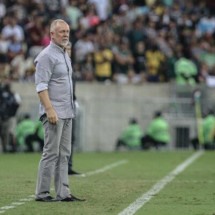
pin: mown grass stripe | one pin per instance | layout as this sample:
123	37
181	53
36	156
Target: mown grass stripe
138	203
31	197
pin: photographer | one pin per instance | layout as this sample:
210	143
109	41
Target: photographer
10	103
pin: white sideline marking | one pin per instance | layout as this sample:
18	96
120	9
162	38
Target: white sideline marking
183	181
15	204
138	203
104	169
31	197
7	207
18	203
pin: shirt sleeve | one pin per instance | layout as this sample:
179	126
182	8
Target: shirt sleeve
44	68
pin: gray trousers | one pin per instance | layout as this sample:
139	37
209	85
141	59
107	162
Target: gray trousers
54	160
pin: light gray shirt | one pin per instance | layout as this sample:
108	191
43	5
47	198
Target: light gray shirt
54	73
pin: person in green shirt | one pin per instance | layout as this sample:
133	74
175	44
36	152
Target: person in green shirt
157	133
186	71
37	136
130	136
208	129
29	131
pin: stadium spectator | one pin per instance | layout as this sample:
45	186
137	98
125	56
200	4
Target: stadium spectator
11	29
140	62
103	8
123	63
91	18
53	7
2	9
74	13
206	25
103	58
130	137
155	64
136	34
82	48
186	72
34	31
157	133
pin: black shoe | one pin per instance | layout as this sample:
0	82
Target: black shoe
72	198
45	199
72	172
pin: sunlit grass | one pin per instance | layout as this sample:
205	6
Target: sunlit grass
190	193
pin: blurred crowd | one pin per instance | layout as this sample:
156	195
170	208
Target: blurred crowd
120	41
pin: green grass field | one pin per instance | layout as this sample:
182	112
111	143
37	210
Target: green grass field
112	182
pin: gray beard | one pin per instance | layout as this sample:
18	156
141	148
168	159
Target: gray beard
65	43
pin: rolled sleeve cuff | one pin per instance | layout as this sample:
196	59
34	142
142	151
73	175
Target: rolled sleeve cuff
41	87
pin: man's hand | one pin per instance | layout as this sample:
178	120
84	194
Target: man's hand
50	111
52	115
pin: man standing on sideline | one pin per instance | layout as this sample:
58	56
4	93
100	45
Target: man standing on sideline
70	164
53	79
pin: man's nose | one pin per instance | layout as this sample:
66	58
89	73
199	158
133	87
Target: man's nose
66	34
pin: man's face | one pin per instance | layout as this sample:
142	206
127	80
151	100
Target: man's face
61	34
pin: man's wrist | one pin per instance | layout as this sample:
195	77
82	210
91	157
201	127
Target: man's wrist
48	108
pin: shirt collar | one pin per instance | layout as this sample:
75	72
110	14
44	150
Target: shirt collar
55	46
